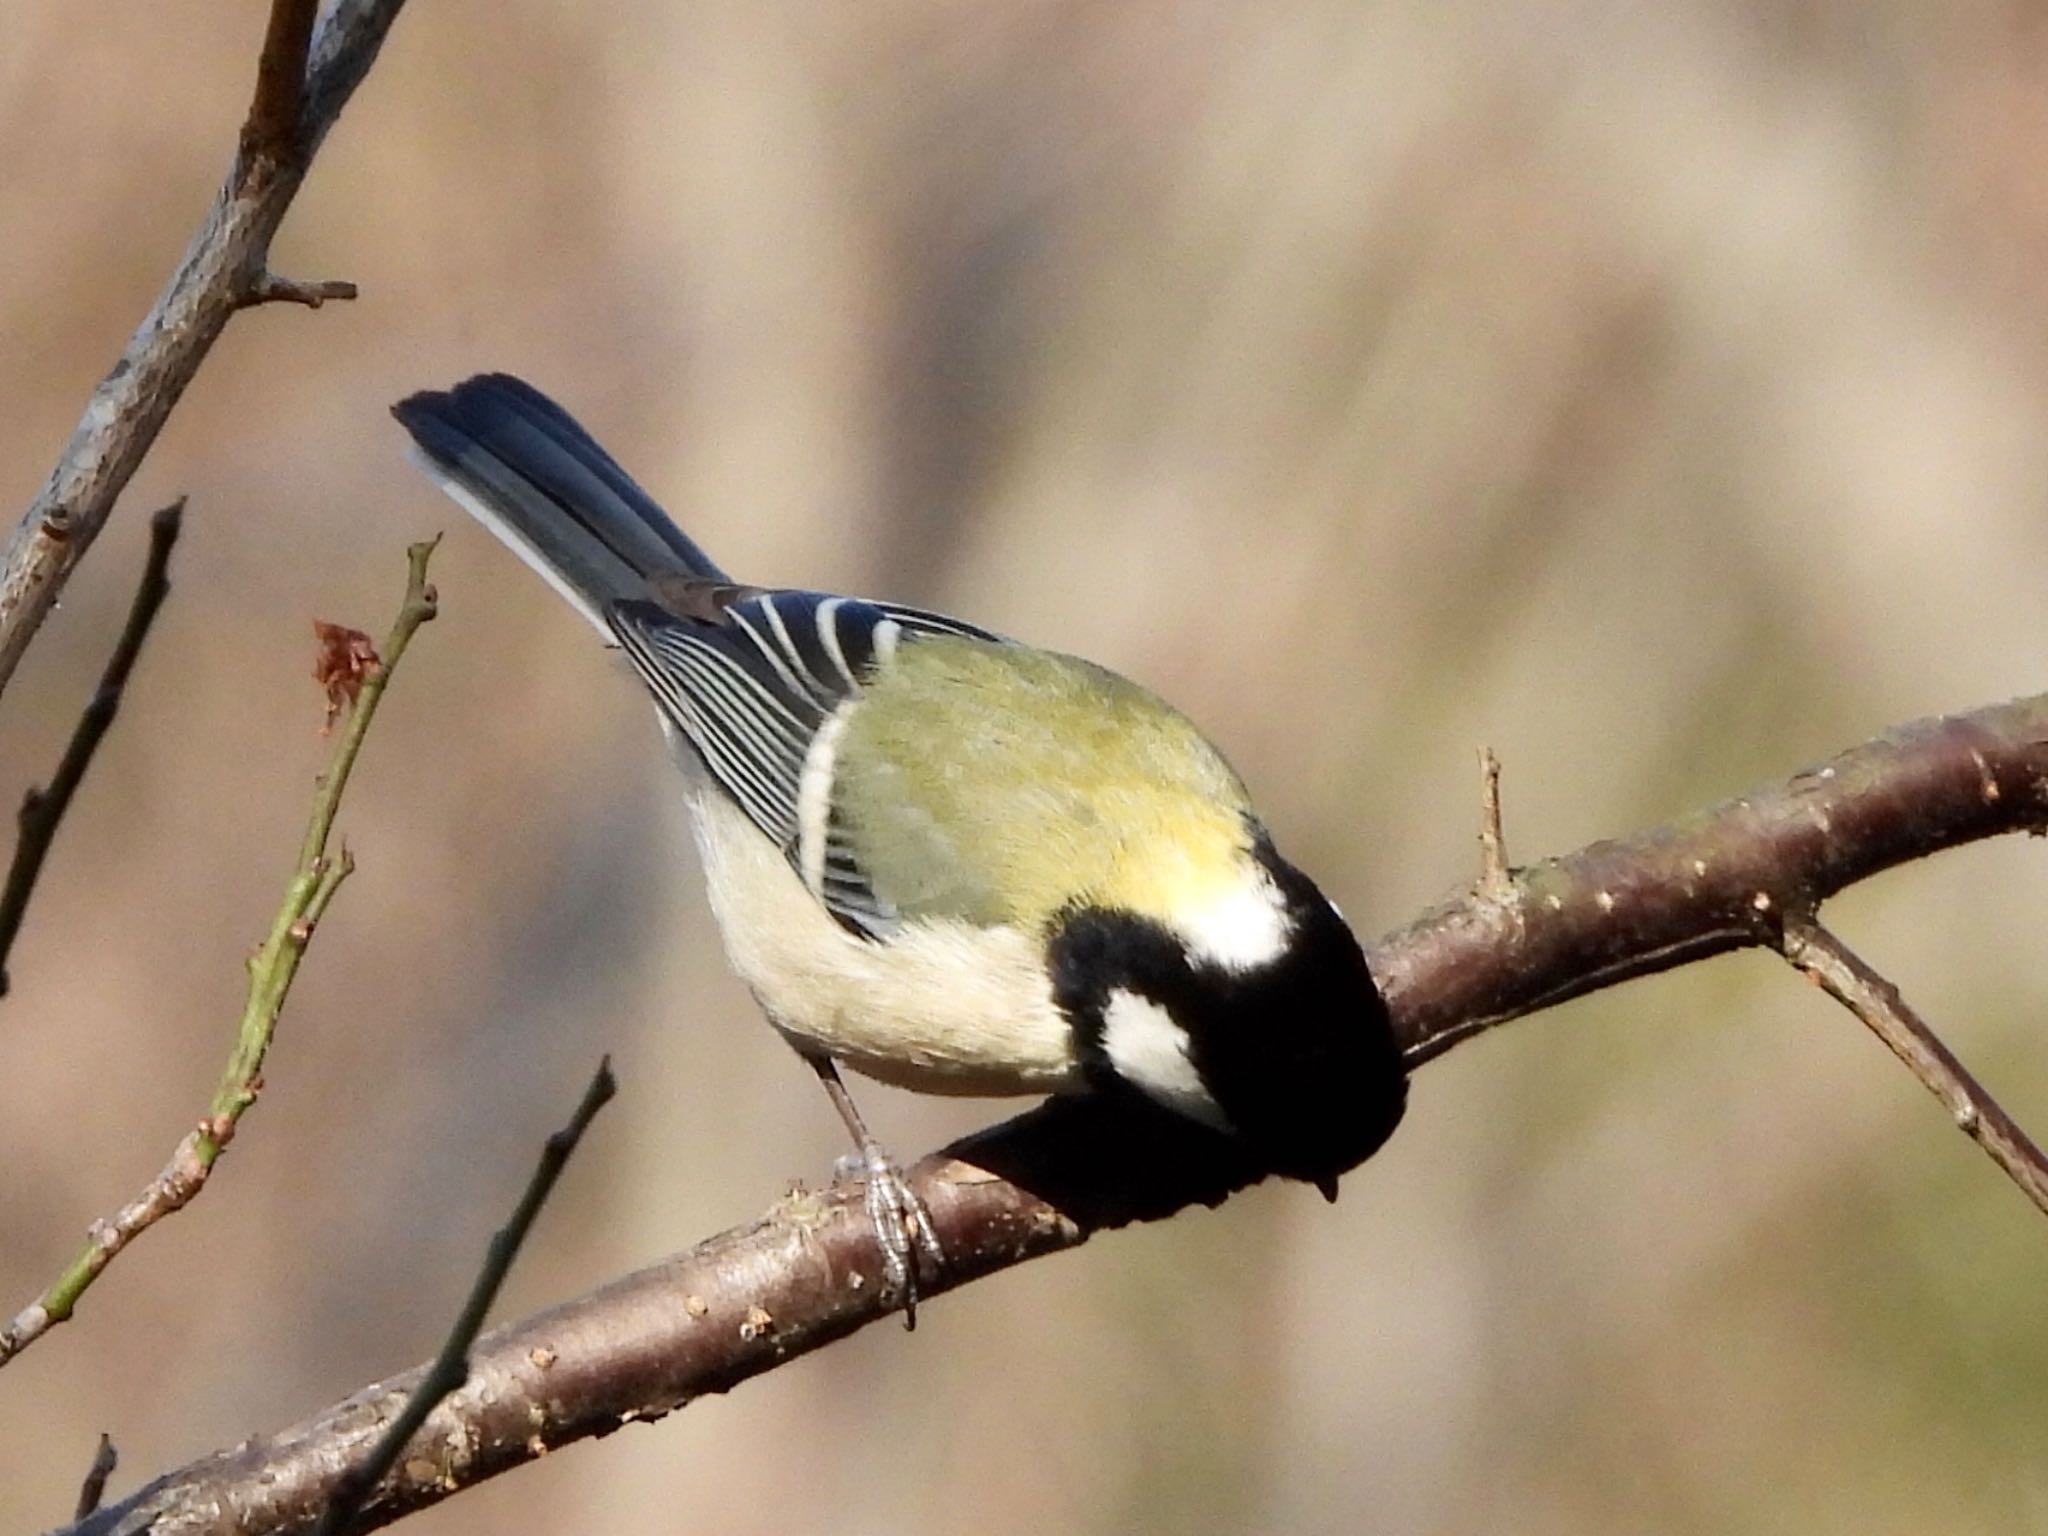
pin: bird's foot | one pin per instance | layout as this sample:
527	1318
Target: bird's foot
902	1223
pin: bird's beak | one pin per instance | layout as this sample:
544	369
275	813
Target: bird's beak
1329	1188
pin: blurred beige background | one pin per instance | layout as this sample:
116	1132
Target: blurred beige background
1658	394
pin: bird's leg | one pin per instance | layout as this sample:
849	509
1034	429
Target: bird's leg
902	1225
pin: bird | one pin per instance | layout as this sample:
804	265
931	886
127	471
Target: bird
942	858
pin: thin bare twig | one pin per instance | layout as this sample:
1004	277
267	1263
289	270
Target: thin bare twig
1494	879
271	971
224	269
269	288
94	1488
43	809
450	1368
753	1298
1876	1001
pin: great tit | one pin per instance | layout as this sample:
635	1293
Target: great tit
944	859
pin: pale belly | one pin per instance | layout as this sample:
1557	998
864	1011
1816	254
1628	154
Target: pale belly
950	1008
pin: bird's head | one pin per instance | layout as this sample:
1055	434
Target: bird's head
1250	1009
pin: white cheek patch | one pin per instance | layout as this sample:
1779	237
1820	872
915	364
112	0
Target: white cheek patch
1245	928
1150	1052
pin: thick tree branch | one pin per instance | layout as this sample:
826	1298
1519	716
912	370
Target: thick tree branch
42	809
736	1306
808	1273
1721	879
225	268
272	968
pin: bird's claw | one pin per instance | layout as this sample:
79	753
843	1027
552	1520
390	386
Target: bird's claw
903	1229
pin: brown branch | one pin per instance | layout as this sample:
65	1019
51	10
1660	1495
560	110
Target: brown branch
808	1273
223	270
269	288
272	969
43	809
639	1348
272	127
450	1369
1874	1000
1719	880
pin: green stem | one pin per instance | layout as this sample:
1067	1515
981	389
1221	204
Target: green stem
271	969
316	879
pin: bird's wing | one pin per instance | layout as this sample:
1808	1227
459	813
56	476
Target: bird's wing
760	686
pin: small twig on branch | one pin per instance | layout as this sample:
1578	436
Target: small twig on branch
224	269
269	288
754	1298
1494	878
450	1369
94	1488
271	971
43	809
1876	1001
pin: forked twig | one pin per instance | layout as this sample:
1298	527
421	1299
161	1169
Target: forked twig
305	76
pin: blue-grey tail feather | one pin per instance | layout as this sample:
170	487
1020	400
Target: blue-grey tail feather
536	478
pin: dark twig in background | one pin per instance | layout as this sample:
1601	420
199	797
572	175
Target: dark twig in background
303	81
271	970
43	808
808	1273
94	1488
450	1369
1828	961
